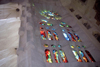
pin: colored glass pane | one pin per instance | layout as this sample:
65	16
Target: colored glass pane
79	47
77	37
76	56
83	56
44	20
66	36
59	46
48	56
53	45
63	56
55	53
68	26
71	36
63	30
61	25
90	56
41	23
55	36
71	46
45	45
49	24
49	35
41	27
83	46
43	36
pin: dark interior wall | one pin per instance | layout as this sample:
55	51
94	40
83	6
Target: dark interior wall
13	1
97	9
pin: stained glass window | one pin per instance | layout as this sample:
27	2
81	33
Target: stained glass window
43	36
53	46
71	36
66	36
90	56
55	53
63	56
67	32
61	25
55	36
83	56
71	46
44	20
59	46
48	56
49	24
41	23
45	45
49	35
68	26
77	37
76	56
41	27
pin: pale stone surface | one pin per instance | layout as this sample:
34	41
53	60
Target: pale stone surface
9	37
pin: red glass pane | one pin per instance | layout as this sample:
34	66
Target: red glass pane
43	36
48	56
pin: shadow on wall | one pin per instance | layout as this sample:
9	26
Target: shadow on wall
97	35
97	9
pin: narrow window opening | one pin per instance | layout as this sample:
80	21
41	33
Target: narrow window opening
55	53
78	17
90	56
43	36
49	35
48	56
83	56
55	36
71	9
63	56
76	56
